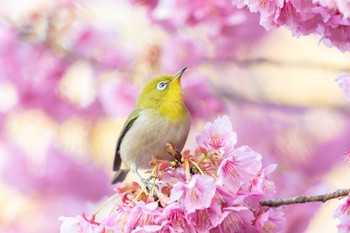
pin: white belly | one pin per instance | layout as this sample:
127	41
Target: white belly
148	136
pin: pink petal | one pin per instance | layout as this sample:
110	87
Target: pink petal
195	195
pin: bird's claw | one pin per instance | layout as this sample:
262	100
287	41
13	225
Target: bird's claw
147	182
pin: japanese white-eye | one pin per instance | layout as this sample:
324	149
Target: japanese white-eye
159	117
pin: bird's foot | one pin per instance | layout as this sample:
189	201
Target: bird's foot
147	182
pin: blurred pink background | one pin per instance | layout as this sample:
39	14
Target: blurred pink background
70	72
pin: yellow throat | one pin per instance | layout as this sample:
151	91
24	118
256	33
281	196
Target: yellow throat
164	96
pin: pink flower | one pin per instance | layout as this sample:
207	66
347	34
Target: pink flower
118	220
142	215
195	195
150	229
343	81
343	228
267	10
109	224
234	219
346	158
342	212
173	218
261	184
190	202
270	221
344	7
218	136
77	224
230	198
174	176
206	219
329	19
236	170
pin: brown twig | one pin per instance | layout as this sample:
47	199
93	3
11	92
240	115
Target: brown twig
305	199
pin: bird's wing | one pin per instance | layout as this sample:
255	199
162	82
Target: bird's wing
128	124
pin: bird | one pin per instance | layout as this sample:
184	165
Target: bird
159	117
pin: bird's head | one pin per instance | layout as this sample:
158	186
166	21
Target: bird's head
166	88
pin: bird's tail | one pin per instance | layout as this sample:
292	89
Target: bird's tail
119	175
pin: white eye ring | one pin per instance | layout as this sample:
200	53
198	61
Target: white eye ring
162	85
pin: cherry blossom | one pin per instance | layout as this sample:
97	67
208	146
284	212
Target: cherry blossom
238	169
202	192
197	194
270	221
218	135
79	224
342	212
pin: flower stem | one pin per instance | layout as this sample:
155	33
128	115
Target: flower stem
203	157
187	168
105	203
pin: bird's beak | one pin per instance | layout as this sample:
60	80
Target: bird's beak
179	74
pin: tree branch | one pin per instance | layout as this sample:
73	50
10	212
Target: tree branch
305	199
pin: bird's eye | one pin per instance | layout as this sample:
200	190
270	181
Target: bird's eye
162	85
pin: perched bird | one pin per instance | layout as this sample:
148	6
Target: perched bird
159	117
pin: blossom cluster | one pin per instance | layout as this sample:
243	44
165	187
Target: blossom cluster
216	189
343	214
330	19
